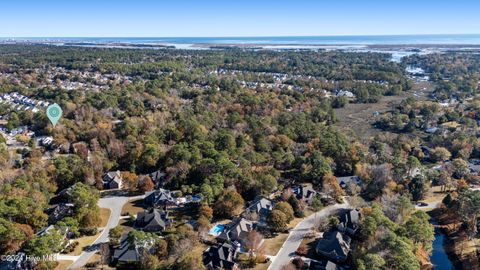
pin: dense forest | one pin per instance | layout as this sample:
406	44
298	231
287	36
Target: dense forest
230	125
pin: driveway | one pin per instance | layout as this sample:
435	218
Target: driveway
115	204
429	205
297	234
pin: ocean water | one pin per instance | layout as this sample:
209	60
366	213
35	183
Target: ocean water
472	39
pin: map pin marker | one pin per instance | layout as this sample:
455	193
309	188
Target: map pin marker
54	112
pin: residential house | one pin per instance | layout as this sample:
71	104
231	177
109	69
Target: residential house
220	257
159	198
51	229
59	212
237	232
414	172
326	199
112	180
305	192
45	140
153	220
474	166
64	195
346	181
260	208
334	245
322	265
126	253
46	230
345	93
349	222
158	178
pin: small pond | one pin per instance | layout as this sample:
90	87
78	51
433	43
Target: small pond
439	256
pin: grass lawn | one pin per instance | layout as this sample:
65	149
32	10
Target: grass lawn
182	214
126	224
96	258
273	245
63	265
308	211
355	119
133	207
261	266
243	259
310	243
224	221
294	222
435	197
104	216
83	242
463	247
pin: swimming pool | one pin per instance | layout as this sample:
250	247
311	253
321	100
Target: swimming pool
217	229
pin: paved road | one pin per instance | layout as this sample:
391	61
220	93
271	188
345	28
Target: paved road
63	257
115	204
298	233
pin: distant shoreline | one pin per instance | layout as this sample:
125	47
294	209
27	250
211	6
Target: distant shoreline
350	43
456	39
245	46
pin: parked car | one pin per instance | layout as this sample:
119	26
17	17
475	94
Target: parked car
422	204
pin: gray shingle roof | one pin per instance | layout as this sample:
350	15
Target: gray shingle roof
220	257
152	220
126	252
113	176
334	245
237	231
347	180
159	197
261	206
322	265
349	221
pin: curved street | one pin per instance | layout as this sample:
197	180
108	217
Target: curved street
290	246
115	204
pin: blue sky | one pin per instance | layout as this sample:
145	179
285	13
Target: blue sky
186	18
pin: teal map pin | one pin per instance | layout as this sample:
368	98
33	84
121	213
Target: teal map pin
54	112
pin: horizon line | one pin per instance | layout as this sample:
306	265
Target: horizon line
254	36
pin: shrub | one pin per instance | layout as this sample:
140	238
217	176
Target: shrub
302	250
298	262
71	247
